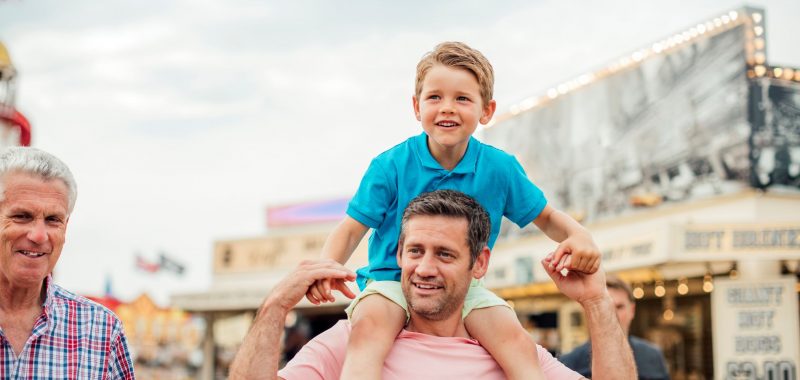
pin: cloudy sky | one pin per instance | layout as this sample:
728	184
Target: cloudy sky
184	120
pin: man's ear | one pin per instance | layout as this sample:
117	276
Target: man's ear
481	264
400	253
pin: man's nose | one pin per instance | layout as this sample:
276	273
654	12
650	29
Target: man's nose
38	232
426	266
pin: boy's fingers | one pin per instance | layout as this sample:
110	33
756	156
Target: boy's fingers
317	294
565	261
558	256
342	287
550	270
326	289
311	298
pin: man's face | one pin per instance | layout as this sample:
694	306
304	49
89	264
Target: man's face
33	224
625	308
435	263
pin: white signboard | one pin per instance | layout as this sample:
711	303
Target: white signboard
756	329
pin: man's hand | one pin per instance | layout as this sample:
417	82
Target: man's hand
611	354
580	287
310	272
259	354
577	253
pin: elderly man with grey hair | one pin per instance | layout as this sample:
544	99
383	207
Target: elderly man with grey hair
46	332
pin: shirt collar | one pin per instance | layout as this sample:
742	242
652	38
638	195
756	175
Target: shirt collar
466	165
49	291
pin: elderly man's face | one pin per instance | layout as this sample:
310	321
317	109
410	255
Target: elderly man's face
33	223
435	264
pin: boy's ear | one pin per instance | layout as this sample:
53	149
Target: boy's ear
416	107
488	112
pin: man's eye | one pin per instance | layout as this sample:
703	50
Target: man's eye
446	255
54	219
20	217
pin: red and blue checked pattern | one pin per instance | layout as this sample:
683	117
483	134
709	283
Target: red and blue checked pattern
74	338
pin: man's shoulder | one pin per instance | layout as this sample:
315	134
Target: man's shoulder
580	351
322	357
65	300
335	338
579	359
645	350
641	344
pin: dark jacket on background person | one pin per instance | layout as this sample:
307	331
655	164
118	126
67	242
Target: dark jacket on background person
650	362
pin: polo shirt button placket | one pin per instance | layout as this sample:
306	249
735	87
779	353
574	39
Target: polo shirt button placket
442	179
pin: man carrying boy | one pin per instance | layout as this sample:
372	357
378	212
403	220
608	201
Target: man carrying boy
443	242
453	93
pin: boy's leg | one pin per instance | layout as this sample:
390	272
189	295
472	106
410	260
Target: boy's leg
499	331
375	323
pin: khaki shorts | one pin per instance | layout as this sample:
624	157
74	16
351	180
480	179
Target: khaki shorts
478	297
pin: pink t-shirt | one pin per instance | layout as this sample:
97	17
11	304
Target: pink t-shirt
413	356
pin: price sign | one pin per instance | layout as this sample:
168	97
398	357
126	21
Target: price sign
756	333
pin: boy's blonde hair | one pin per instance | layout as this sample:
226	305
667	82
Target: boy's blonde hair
459	55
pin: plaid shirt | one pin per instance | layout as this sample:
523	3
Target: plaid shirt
74	338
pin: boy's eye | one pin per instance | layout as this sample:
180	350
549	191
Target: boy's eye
462	99
434	97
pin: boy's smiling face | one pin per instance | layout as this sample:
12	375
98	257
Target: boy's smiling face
449	107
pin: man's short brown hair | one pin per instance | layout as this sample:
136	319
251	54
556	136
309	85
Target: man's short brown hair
458	55
452	204
614	282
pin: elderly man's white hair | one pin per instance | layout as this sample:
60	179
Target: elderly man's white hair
39	163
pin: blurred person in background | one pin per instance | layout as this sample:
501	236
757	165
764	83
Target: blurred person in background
47	332
650	362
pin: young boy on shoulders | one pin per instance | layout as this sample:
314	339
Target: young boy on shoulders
453	93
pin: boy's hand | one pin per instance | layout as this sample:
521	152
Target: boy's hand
321	291
577	252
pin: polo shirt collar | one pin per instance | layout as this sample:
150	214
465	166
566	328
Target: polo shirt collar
466	165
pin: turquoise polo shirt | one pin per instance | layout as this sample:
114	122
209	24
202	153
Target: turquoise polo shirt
395	177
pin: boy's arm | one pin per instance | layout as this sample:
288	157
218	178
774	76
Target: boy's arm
339	246
574	238
343	240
